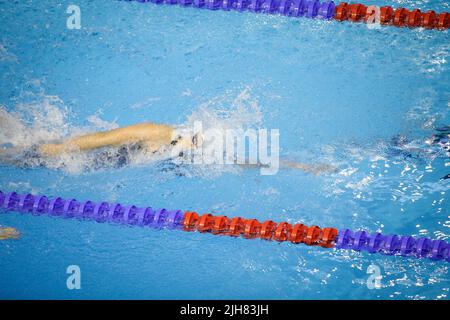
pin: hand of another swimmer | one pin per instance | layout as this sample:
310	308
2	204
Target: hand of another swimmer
9	233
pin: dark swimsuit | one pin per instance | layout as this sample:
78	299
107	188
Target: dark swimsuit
122	156
118	158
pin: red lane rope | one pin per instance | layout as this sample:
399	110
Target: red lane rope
400	17
267	230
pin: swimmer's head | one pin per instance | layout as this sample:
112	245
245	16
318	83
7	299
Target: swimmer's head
185	139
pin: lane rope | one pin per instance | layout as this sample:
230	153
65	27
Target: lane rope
346	239
352	12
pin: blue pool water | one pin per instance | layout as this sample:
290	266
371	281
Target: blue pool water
338	92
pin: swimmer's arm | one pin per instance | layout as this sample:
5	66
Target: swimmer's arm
317	169
144	132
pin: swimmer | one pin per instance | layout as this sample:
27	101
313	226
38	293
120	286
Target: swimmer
438	143
441	138
146	138
8	233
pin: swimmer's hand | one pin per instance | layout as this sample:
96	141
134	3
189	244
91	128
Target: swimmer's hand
9	233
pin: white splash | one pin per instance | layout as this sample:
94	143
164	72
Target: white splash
47	121
34	123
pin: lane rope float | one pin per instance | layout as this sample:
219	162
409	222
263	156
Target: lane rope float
352	12
345	239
